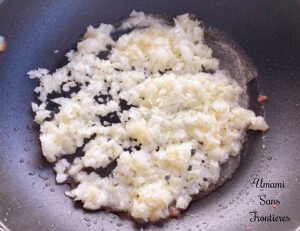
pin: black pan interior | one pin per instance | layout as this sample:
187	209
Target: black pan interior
268	32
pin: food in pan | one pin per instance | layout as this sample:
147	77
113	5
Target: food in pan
141	119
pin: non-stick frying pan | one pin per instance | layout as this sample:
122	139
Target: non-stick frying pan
269	33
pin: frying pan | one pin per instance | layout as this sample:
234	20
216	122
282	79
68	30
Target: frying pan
267	30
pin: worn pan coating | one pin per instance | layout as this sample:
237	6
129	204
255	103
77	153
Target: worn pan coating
269	33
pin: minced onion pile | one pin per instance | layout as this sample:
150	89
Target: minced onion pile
150	106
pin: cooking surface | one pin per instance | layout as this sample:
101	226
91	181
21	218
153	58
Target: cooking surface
269	33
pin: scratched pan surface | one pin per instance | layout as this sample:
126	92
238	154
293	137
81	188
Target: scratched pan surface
268	32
